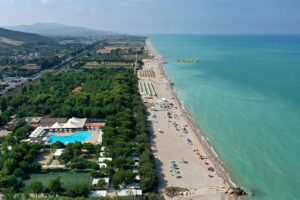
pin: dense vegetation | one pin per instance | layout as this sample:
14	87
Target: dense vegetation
149	196
105	93
16	158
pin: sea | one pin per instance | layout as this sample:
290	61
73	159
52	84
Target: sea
244	94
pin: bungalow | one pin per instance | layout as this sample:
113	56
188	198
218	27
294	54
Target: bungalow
102	165
58	153
135	158
134	185
96	186
129	192
102	149
98	193
103	159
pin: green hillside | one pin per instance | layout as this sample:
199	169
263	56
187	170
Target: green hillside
21	36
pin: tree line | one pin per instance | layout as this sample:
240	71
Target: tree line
106	93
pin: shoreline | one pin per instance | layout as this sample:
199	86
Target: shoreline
220	167
203	139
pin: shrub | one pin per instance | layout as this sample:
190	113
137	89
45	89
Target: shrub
36	187
77	190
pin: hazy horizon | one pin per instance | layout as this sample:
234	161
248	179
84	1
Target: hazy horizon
159	16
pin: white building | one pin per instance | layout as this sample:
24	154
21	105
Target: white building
129	192
103	159
102	165
38	132
58	153
102	154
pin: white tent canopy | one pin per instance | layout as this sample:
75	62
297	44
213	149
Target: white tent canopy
75	123
37	132
56	125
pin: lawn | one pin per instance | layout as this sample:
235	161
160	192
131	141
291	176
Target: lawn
66	178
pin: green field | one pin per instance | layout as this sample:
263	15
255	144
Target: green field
66	178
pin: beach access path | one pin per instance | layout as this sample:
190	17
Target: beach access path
173	140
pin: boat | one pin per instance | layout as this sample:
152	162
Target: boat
188	60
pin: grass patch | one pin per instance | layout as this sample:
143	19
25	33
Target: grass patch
174	191
66	178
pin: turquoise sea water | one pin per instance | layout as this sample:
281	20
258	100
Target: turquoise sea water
76	137
245	96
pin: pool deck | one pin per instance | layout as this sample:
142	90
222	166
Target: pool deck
93	139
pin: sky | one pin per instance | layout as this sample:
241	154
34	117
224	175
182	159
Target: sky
160	16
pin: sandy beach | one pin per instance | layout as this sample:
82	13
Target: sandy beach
176	139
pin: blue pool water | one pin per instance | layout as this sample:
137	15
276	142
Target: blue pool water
76	137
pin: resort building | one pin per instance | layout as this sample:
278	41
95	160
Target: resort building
75	124
55	127
45	121
38	132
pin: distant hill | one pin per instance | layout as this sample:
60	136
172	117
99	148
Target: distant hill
54	29
18	38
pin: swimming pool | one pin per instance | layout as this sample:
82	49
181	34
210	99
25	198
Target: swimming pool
76	137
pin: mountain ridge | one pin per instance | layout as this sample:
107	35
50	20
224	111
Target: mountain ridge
56	29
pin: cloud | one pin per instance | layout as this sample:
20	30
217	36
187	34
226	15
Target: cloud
45	1
79	8
129	2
